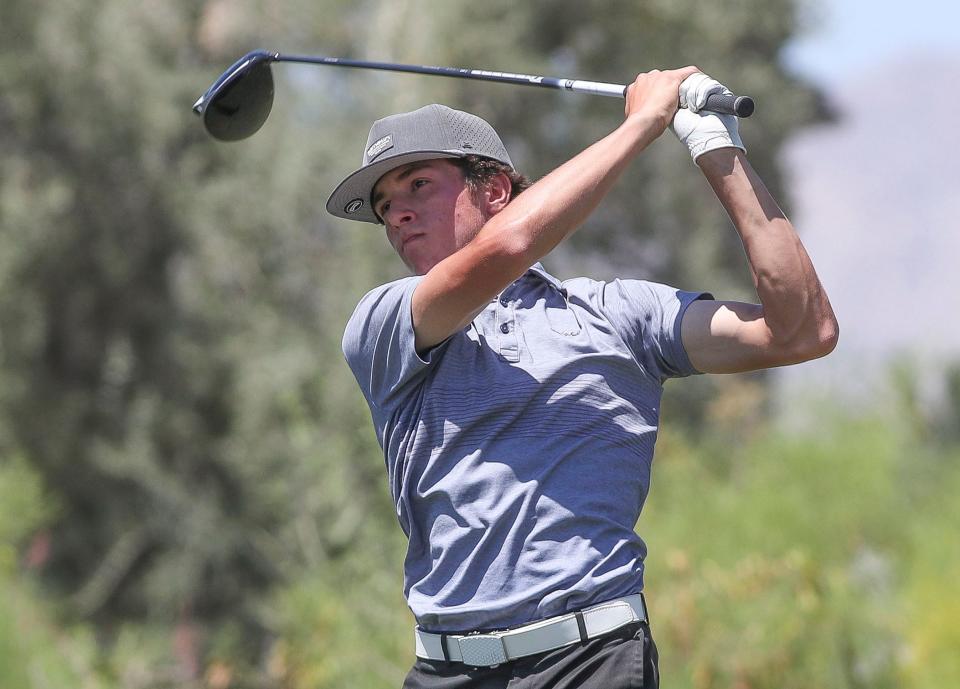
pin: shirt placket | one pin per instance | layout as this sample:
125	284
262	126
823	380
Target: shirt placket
507	339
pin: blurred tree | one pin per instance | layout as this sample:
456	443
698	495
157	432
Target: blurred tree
171	307
167	363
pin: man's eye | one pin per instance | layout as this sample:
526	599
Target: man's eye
384	208
417	183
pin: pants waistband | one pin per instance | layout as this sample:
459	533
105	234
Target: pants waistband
494	648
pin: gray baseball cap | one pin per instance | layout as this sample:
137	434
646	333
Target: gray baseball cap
433	131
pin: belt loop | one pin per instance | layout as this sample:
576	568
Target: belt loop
646	610
443	647
581	625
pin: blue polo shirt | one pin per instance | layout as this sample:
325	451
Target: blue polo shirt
518	451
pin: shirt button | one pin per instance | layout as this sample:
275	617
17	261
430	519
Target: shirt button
504	328
503	301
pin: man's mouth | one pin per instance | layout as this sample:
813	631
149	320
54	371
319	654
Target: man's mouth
406	241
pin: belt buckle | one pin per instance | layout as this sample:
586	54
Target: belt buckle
482	650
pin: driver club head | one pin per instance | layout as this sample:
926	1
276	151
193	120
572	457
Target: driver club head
239	102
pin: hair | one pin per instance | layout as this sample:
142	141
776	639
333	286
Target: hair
479	170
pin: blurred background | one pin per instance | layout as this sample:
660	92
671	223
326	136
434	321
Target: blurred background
191	494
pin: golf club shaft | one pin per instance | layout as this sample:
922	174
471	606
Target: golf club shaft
594	87
729	105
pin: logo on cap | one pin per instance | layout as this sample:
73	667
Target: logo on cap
379	146
353	206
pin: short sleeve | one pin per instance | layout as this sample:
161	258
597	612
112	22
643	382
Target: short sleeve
648	315
379	343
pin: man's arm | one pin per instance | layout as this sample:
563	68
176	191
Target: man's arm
519	234
794	321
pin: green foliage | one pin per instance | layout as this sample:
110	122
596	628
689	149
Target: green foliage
126	315
26	507
777	555
932	568
33	652
349	616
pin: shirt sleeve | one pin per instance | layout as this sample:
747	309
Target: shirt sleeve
379	344
648	315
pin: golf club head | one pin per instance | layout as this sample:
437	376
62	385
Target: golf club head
239	102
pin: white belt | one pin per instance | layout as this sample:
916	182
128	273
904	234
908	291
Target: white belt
487	650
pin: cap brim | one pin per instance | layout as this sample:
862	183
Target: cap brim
351	199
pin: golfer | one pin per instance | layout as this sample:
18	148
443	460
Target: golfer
518	412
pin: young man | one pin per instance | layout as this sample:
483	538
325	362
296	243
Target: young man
518	413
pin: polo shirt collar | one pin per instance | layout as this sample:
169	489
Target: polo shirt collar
538	270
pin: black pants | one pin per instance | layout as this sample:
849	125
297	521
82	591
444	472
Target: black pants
624	659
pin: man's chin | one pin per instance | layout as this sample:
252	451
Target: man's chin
419	266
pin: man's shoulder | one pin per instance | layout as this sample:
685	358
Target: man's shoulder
378	307
385	297
394	288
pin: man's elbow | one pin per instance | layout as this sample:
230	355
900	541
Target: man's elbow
507	241
821	342
829	335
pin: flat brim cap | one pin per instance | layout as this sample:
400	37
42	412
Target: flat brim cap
433	131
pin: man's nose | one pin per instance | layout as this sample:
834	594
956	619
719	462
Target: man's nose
398	214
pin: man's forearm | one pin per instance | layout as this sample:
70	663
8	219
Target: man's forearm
795	306
550	210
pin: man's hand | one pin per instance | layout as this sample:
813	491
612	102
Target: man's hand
654	96
704	131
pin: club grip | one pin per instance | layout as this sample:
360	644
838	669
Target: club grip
741	106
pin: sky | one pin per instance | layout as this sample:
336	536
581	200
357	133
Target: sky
875	196
848	36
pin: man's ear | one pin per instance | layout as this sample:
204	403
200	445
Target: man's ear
497	193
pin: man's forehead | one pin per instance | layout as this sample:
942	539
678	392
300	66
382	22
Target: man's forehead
403	171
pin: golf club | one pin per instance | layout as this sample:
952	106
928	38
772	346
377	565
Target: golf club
239	102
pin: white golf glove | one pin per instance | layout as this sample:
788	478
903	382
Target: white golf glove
707	131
